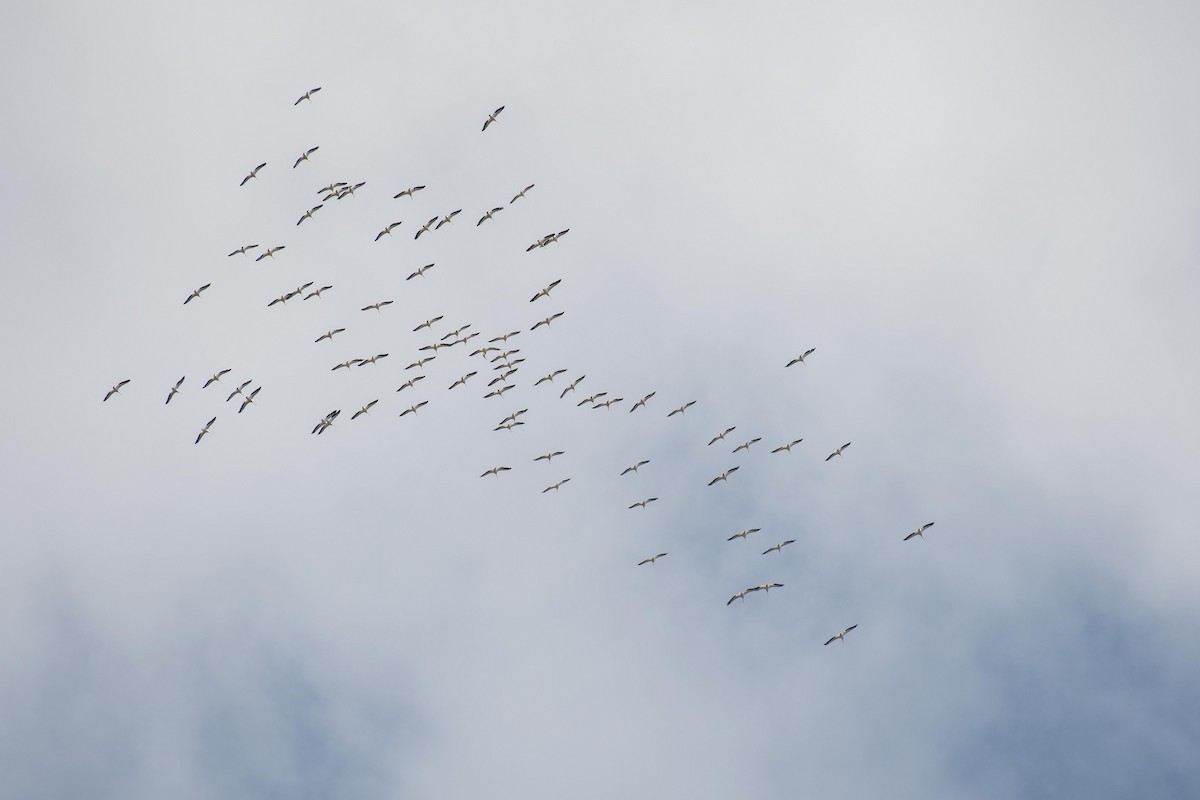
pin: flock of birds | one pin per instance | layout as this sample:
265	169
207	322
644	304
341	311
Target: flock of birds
496	352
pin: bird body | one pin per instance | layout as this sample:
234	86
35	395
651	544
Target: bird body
684	408
174	389
215	378
800	358
204	430
363	410
842	635
724	476
196	294
492	117
643	503
919	531
307	96
253	173
778	548
787	448
304	156
837	452
115	389
651	560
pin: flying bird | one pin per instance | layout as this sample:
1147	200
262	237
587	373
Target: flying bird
363	410
330	334
249	399
746	445
350	190
488	215
345	364
592	400
175	389
326	421
271	251
643	503
238	391
497	392
554	486
571	386
463	380
408	192
420	363
651	560
503	339
304	156
362	362
332	189
419	273
307	96
195	294
427	323
766	587
317	292
215	378
547	320
635	467
778	548
309	214
721	435
800	358
521	194
837	452
204	430
919	531
684	408
739	596
386	231
548	457
492	117
410	383
507	426
413	409
447	219
425	228
495	471
549	377
641	403
115	390
253	173
743	534
842	635
545	292
787	448
377	306
724	476
243	249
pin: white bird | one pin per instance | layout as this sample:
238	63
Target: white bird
249	399
495	471
766	587
238	390
800	358
243	249
592	400
746	445
778	548
420	363
456	332
330	334
545	292
346	365
195	294
410	383
463	380
326	421
307	96
427	323
634	468
253	173
643	503
919	531
419	273
350	190
271	251
641	403
547	320
362	362
377	306
724	476
837	452
739	596
425	228
309	214
492	117
331	189
317	292
304	156
521	194
651	560
497	392
548	457
175	389
503	339
842	635
514	415
571	386
787	447
483	351
204	430
607	403
549	377
721	435
116	389
743	534
413	409
363	410
447	219
488	215
215	378
684	408
408	192
554	486
387	231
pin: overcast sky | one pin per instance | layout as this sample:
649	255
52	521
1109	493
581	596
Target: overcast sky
982	217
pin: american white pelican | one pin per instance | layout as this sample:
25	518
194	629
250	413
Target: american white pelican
643	503
607	403
549	377
483	351
238	390
387	231
778	548
317	292
492	118
837	452
204	430
410	383
420	273
739	596
362	362
488	215
592	400
547	320
494	471
502	378
243	249
463	380
919	531
746	445
326	421
307	96
456	332
447	219
842	635
743	534
787	448
634	468
249	399
800	358
330	334
253	173
497	392
271	251
174	389
545	292
548	457
408	192
195	294
115	390
304	156
724	476
507	426
377	306
346	364
555	486
365	409
309	214
571	386
521	194
413	408
651	560
420	363
215	378
684	408
766	587
427	323
641	403
332	189
425	228
721	435
503	339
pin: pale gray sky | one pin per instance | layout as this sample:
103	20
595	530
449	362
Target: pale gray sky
982	218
